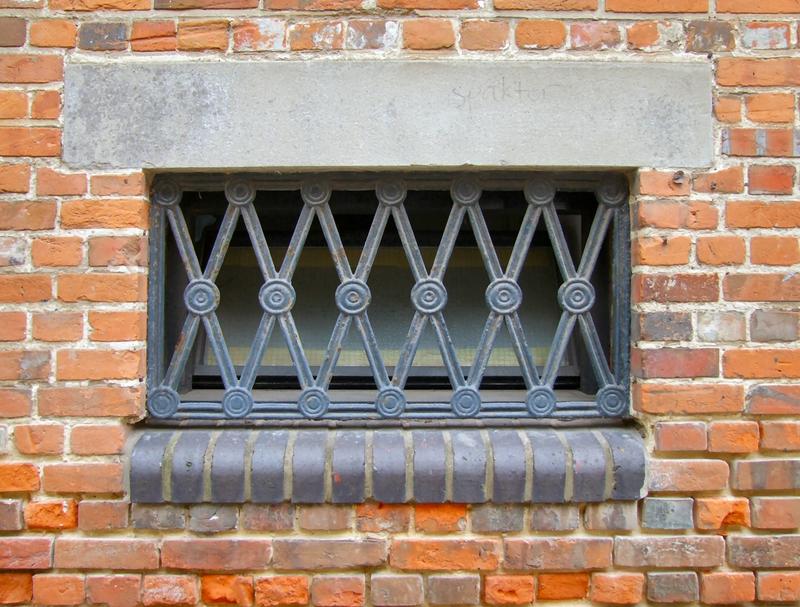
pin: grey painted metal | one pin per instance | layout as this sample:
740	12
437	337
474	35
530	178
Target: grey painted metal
429	298
195	114
188	460
392	466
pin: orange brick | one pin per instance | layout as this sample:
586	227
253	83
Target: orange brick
95	401
12	326
97	440
51	515
118	326
55	251
758	72
83	478
775	250
58	589
59	33
673	214
378	517
118	251
484	35
733	437
762	287
147	36
780	436
725	588
15	178
764	6
779	586
169	590
688	475
15	588
540	33
203	35
18	477
46	105
718	512
26	215
93	5
58	326
445	554
282	590
546	5
14	403
227	589
692	399
617	588
723	181
509	589
29	141
440	518
104	213
317	36
757	364
132	184
99	364
54	183
770	107
642	35
31	69
662	250
428	34
13	104
657	6
720	250
728	109
663	183
562	586
39	439
423	4
102	287
760	214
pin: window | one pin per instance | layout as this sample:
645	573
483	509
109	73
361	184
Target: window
369	296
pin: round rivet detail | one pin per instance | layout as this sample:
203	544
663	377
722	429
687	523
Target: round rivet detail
503	296
612	401
239	192
540	191
576	295
466	402
237	402
465	191
429	296
391	192
166	192
391	402
541	401
315	193
613	191
353	296
313	403
163	402
201	296
276	296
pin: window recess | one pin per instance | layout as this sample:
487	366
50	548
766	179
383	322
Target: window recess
358	297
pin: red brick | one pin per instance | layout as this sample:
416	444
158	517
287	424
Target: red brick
24	365
169	590
54	33
131	184
15	588
377	517
562	586
617	588
55	183
91	5
440	518
657	6
756	364
215	554
776	512
724	588
12	326
780	435
13	104
509	589
681	436
95	401
18	477
83	478
642	35
99	364
444	554
114	590
57	251
51	515
325	517
104	213
24	69
720	250
770	107
762	287
779	586
484	35
14	178
280	590
25	552
338	591
92	553
46	105
316	36
685	475
29	141
662	250
723	181
428	4
428	34
540	33
58	326
672	214
27	215
146	36
14	403
770	179
775	250
117	251
97	440
692	399
118	326
58	589
557	554
228	590
758	72
39	439
102	516
675	288
106	288
594	35
664	183
716	513
675	362
764	6
728	109
203	35
546	5
733	436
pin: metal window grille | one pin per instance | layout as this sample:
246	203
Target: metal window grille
608	362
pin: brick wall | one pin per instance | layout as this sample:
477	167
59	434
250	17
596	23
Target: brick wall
716	355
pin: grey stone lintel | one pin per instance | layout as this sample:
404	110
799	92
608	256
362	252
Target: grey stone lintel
336	114
348	466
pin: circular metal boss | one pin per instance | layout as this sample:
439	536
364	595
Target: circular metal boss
429	296
239	191
166	192
315	193
576	295
353	296
612	401
466	402
541	401
163	402
201	296
613	191
391	192
237	402
540	190
276	296
503	296
465	191
391	402
313	403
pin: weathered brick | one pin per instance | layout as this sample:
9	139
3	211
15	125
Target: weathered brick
728	109
676	288
31	69
212	518
267	517
681	436
55	183
83	478
95	401
669	552
662	250
762	35
662	326
680	587
775	325
611	516
679	475
494	518
97	440
39	439
103	36
26	552
25	288
169	590
722	181
719	512
727	588
10	519
377	517
483	35
14	178
265	34
364	34
766	474
104	213
762	287
664	183
555	517
509	589
390	590
227	590
129	184
282	590
778	586
709	36
675	362
117	251
325	517
440	518
721	326
161	517
780	435
558	553
671	214
617	588
664	6
540	34
57	251
444	554
58	589
24	365
102	516
57	326
27	215
203	35
764	552
454	589
302	554
338	590
594	35
775	512
215	554
667	513
93	553
114	590
316	36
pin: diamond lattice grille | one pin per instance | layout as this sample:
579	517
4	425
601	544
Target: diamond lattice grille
503	297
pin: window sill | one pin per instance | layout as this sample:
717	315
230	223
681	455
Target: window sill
462	465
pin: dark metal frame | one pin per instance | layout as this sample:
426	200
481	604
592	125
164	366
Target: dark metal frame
429	297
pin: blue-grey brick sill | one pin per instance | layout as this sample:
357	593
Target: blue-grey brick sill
392	466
